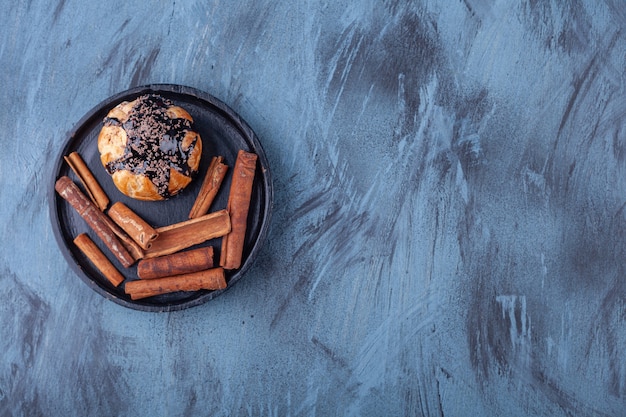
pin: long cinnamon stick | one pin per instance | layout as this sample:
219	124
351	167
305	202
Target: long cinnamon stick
183	235
210	279
96	219
176	264
137	228
92	187
210	186
238	207
100	261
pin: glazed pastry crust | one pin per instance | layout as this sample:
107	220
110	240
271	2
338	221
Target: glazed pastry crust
149	147
136	186
111	143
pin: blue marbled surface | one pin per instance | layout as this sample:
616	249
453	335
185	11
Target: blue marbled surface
449	228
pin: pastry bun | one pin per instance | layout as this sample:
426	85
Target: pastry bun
149	147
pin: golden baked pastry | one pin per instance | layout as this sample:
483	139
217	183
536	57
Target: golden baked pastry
149	147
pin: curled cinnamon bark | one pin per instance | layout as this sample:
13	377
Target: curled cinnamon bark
92	187
183	235
238	207
137	228
210	279
176	264
97	220
131	246
100	261
210	186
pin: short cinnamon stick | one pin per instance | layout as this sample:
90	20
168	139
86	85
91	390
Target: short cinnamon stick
137	228
238	207
210	279
97	220
176	264
100	261
183	235
131	246
210	186
92	187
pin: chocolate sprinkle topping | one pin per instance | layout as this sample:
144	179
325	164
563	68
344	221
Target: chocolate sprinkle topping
154	142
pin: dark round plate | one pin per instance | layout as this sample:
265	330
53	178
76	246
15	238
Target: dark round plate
223	133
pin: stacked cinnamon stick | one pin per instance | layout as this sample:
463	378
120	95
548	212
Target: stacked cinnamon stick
164	263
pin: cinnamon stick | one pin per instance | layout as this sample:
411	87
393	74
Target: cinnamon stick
92	187
210	186
210	279
100	261
97	220
176	264
238	207
183	235
137	228
131	246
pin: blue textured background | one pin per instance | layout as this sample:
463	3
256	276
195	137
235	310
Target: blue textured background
449	228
